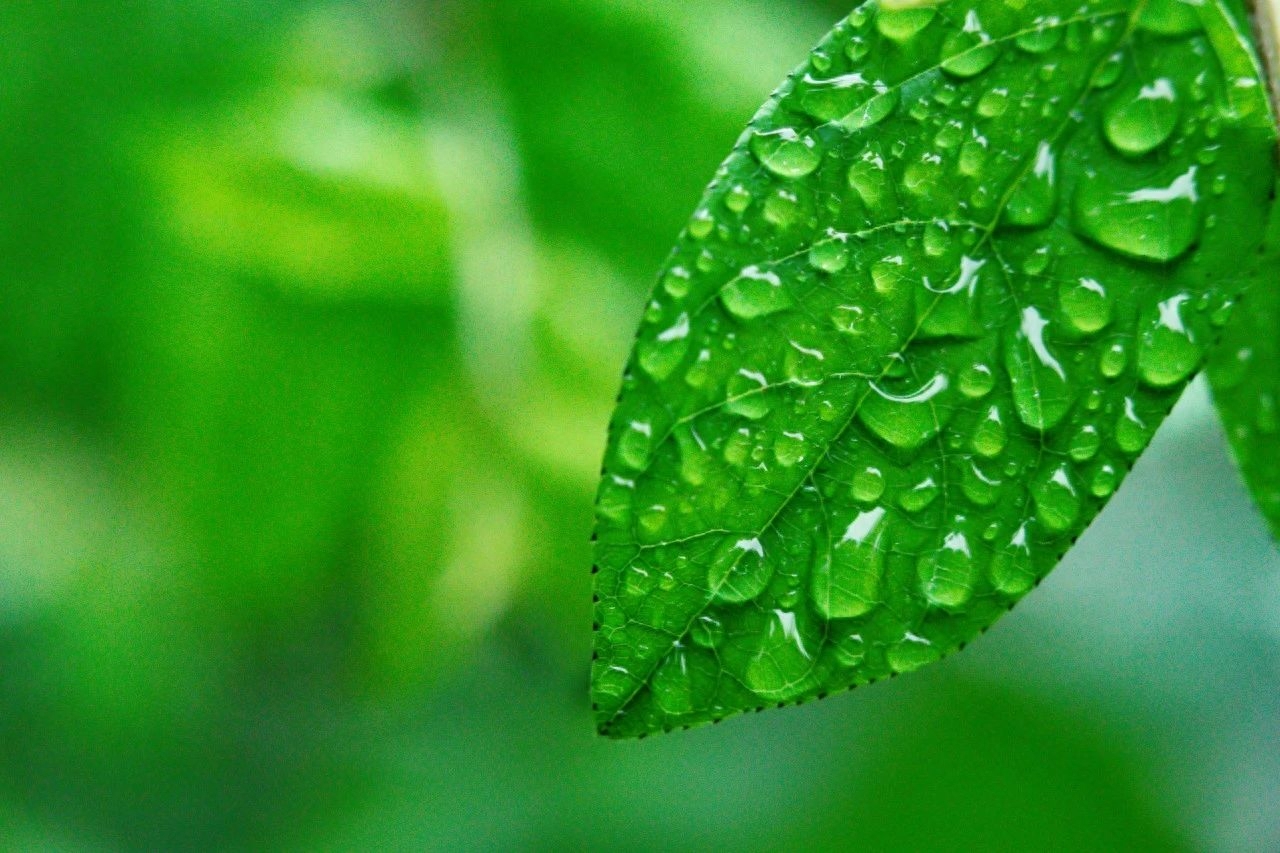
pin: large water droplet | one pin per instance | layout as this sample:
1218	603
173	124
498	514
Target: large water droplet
663	353
671	686
755	293
1141	120
920	496
790	449
947	575
746	394
846	578
1043	38
1033	201
1041	390
635	445
1154	223
1057	503
1131	431
1085	304
952	311
867	177
1168	352
830	255
739	572
912	653
1012	570
786	153
868	485
990	438
907	420
969	52
902	24
783	666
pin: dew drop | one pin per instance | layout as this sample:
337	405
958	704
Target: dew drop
969	52
1035	198
1156	223
947	574
846	577
1056	500
1113	361
980	488
790	449
1170	17
1105	480
850	650
783	666
663	353
635	445
868	485
786	153
1085	304
1085	444
993	103
903	24
1041	391
616	497
919	497
746	395
739	572
1012	570
911	654
738	199
977	381
1044	38
991	437
830	255
1109	72
907	421
1131	431
702	224
867	178
755	293
1143	119
1167	351
952	311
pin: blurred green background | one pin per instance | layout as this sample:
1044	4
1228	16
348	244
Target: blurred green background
311	318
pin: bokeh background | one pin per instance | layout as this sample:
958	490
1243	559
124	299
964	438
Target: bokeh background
311	318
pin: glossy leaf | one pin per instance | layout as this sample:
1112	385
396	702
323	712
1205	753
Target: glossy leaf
933	306
1245	374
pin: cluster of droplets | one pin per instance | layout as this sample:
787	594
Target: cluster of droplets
897	372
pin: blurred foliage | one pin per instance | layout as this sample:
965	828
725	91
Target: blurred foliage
311	316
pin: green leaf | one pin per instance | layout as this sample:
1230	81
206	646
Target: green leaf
1245	374
930	311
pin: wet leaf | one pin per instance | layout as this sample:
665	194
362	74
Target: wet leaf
932	308
1245	374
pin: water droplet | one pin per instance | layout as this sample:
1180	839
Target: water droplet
782	209
921	177
702	224
1085	444
850	100
973	156
738	199
991	437
746	394
1109	72
857	49
918	498
952	311
979	487
783	666
846	577
850	649
1156	223
868	485
902	25
635	445
1085	304
676	282
1113	361
908	420
616	498
739	571
1131	430
1056	500
1105	480
969	52
1167	351
1042	39
1041	391
947	574
790	449
911	654
936	239
663	353
867	178
786	153
755	293
1012	569
830	255
1033	201
1141	120
993	103
977	381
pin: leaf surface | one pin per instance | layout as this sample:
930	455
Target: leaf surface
1245	375
931	309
